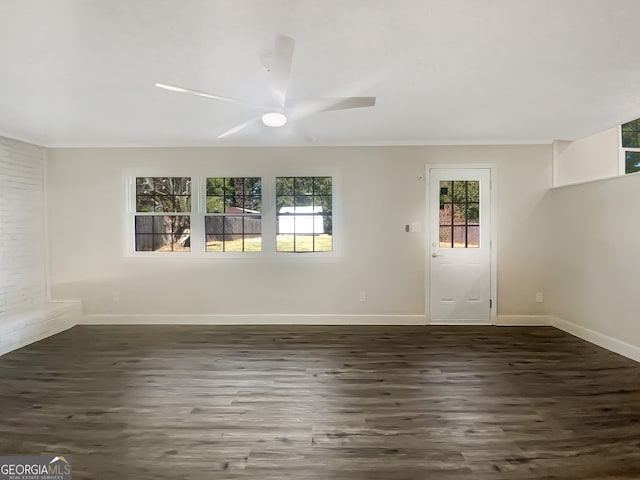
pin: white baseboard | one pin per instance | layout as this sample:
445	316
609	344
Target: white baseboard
23	328
20	328
597	338
465	322
256	319
523	320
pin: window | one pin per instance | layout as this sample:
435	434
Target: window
205	216
162	222
304	214
630	141
233	221
459	214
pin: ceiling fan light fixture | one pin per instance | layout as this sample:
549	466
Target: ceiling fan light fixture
274	119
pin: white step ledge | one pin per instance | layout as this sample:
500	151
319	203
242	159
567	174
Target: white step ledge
22	327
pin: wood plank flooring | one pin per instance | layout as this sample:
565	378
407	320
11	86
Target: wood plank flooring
309	402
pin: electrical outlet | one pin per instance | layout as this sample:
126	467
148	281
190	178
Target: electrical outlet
539	297
363	296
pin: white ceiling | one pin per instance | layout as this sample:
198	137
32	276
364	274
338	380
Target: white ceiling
82	72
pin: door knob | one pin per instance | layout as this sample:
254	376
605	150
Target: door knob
434	255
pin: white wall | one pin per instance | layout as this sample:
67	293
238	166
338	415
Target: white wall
22	237
590	158
377	192
595	266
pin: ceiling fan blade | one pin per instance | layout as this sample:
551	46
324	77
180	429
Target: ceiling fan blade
308	106
173	88
238	128
280	68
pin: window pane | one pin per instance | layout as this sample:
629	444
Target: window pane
445	191
233	225
286	203
322	185
303	201
233	233
144	185
630	127
232	185
284	186
144	203
253	186
182	203
473	213
253	203
163	203
182	242
445	237
252	225
473	191
159	241
214	243
459	214
143	224
180	185
473	237
162	185
324	202
445	214
284	243
323	243
214	225
233	243
459	237
304	223
630	139
327	224
252	243
303	185
459	195
144	243
632	162
215	204
163	194
230	203
285	224
304	243
215	186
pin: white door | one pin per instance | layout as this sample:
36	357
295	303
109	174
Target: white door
460	245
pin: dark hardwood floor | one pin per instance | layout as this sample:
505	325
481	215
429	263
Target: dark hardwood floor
356	403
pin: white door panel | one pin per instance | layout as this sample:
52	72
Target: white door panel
460	245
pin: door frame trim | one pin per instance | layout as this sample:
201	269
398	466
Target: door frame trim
493	168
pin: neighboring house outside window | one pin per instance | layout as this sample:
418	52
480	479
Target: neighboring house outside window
630	146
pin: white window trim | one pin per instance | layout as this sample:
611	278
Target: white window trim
198	213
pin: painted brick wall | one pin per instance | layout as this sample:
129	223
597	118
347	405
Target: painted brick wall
22	235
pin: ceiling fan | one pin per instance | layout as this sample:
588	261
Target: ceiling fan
283	108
